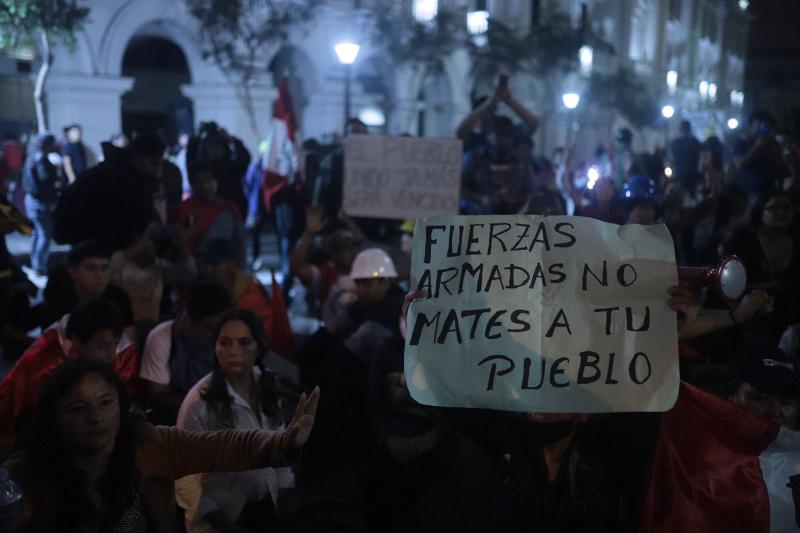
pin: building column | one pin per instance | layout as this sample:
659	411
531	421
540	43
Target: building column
94	102
219	103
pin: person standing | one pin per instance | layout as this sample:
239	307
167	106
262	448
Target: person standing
74	153
686	158
42	186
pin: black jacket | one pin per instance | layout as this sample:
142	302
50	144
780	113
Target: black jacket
110	202
40	178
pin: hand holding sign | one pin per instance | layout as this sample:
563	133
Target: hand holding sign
544	314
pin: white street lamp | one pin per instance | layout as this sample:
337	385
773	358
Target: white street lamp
672	80
571	100
667	111
702	88
347	54
733	123
478	25
425	10
712	91
586	57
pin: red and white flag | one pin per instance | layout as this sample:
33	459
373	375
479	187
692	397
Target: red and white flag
720	468
280	160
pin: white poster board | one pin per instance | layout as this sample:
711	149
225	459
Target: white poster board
542	314
401	177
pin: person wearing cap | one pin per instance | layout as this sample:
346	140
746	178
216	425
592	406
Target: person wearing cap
248	293
42	185
768	384
342	245
86	276
374	298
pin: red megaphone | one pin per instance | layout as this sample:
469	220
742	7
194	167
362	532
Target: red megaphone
729	277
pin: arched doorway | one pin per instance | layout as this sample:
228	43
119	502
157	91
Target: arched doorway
159	68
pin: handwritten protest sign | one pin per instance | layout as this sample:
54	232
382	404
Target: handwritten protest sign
401	177
546	314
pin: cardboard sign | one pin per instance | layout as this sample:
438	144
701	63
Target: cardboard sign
542	314
401	177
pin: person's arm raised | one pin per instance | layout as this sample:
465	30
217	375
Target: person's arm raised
234	451
298	262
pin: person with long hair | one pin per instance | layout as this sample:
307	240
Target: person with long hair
770	251
239	393
94	466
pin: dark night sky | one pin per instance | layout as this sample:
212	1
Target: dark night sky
773	61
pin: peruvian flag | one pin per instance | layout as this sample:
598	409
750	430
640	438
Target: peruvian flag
720	468
279	163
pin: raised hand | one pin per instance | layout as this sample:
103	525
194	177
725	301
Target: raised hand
299	428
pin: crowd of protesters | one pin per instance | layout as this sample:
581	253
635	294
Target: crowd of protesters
154	317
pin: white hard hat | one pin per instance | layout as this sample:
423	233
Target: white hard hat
373	263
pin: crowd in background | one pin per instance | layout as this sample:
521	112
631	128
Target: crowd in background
160	283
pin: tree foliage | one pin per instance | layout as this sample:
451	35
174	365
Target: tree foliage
423	45
628	93
45	20
240	36
21	20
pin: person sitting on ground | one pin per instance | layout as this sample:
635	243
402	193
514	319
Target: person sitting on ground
206	217
93	466
239	393
770	251
374	299
342	245
178	353
86	276
248	293
94	331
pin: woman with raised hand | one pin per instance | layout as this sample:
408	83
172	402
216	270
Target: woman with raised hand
94	466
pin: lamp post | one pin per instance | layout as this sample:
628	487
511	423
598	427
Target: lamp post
571	101
347	54
667	112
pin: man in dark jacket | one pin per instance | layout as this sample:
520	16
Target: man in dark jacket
41	182
113	202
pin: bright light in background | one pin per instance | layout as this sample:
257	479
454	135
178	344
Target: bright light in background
667	111
593	174
668	172
425	10
571	100
737	98
478	25
586	57
347	52
703	88
672	80
372	116
733	123
744	4
712	91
